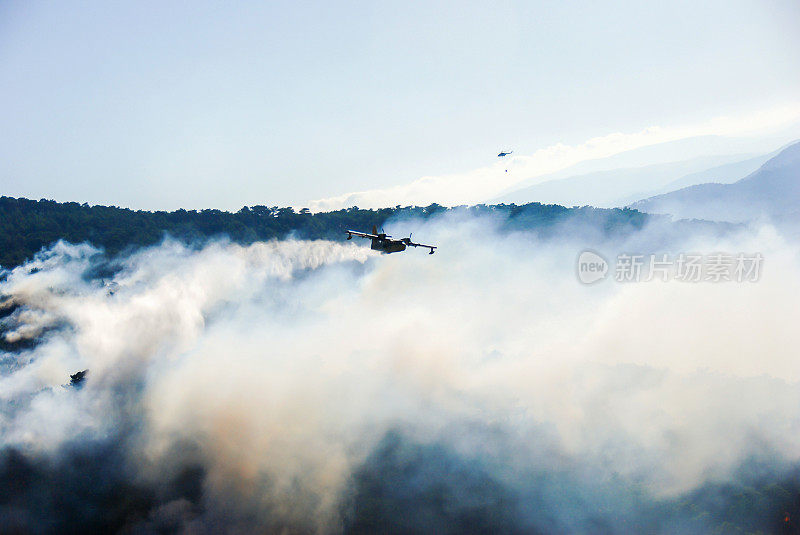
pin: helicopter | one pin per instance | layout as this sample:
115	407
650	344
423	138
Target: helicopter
505	153
384	243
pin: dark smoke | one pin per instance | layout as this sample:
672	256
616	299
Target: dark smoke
403	487
90	487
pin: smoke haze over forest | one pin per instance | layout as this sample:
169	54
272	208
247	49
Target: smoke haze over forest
313	386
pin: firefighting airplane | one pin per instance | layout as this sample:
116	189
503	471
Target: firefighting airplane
385	244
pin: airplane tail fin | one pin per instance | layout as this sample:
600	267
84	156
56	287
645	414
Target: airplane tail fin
374	229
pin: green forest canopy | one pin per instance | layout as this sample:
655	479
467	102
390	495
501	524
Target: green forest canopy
26	226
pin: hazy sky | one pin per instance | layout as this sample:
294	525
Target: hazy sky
159	104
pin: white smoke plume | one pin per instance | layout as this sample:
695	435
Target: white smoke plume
287	377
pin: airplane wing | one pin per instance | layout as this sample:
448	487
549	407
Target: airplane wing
410	243
351	233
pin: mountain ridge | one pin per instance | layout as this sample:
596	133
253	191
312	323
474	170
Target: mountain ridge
770	191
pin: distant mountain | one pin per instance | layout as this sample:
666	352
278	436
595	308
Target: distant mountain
773	190
679	150
629	176
619	186
721	174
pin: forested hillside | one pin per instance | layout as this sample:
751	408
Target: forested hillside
27	225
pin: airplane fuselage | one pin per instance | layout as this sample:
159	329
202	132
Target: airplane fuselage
387	246
384	243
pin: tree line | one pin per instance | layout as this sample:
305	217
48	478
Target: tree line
26	226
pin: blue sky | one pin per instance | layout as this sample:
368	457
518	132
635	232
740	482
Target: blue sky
161	105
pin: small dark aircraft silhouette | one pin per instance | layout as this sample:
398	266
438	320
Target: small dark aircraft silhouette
504	153
384	243
76	379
